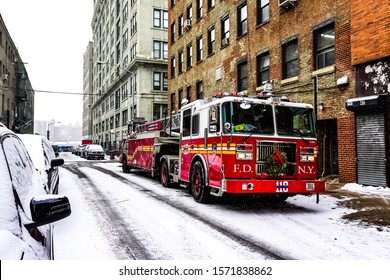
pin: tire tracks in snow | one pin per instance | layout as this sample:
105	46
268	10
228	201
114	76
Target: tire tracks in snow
258	247
116	229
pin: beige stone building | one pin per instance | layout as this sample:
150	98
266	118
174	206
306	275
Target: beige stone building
130	54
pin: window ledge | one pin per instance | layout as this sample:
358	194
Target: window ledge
289	81
324	71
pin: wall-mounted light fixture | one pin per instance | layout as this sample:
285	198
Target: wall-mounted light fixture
342	82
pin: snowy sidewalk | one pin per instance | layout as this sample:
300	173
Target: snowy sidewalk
372	204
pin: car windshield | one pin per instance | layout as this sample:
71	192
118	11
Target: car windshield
295	121
258	119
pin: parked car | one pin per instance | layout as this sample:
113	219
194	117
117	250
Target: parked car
79	149
27	211
44	159
93	151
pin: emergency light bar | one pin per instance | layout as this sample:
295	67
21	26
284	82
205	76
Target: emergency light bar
233	93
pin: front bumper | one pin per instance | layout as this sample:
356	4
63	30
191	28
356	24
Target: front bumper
273	186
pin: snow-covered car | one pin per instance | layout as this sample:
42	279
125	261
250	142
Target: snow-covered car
79	149
93	151
44	159
27	211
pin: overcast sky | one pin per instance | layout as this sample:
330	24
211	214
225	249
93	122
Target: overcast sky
52	37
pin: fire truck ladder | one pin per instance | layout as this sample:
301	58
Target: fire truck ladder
171	125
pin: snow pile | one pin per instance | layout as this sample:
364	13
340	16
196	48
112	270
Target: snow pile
369	190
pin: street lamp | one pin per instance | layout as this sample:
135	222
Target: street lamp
99	62
48	129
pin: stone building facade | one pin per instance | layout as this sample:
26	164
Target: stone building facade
130	56
303	47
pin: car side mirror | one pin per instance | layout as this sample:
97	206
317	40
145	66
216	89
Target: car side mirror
56	162
46	209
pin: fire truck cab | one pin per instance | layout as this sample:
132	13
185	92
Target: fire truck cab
231	144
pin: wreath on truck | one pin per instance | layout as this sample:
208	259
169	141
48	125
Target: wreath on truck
276	163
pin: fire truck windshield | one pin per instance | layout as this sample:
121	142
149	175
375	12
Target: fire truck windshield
294	121
258	119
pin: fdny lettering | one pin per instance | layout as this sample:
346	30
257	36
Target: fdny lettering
306	169
245	168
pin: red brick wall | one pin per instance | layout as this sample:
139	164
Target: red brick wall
346	149
370	22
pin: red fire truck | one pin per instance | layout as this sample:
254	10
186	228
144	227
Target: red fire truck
230	144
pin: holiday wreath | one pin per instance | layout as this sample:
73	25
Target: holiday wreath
276	163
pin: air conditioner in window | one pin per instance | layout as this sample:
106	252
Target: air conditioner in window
285	3
187	24
225	41
5	77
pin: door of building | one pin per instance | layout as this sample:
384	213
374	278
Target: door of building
371	148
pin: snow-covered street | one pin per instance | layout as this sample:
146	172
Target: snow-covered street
117	216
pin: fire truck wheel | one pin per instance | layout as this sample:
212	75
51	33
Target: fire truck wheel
199	191
164	175
125	167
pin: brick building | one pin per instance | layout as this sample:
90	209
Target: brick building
370	56
16	92
226	45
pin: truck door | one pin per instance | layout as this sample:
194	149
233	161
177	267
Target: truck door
186	143
214	147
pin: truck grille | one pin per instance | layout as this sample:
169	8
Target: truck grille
265	148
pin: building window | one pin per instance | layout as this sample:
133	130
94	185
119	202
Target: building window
189	55
199	9
324	46
180	97
160	81
125	39
262	11
211	41
189	12
125	117
199	90
181	61
225	31
173	66
242	76
125	13
173	32
210	4
160	18
157	81
125	91
199	49
242	20
117	120
159	111
160	50
133	24
262	61
290	59
180	28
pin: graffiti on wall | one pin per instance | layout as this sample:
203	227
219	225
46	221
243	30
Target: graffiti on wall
373	78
